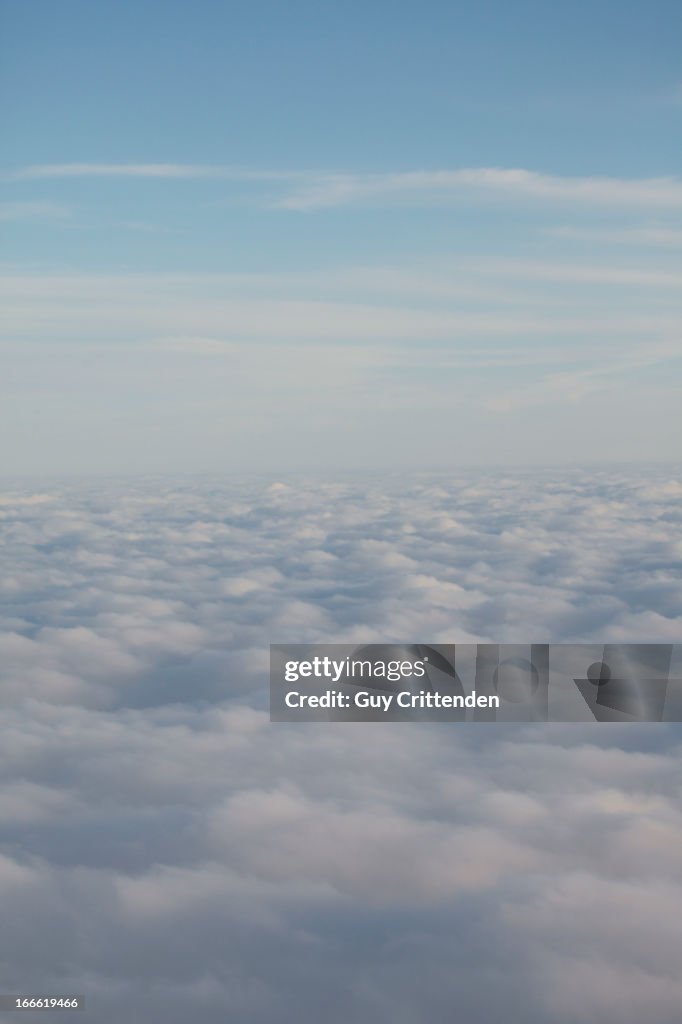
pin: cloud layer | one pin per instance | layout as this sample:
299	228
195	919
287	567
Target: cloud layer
170	853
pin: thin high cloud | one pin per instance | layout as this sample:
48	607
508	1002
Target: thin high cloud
655	237
22	210
202	359
150	170
318	307
570	386
321	190
584	273
516	184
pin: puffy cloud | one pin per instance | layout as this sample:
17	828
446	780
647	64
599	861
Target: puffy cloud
172	854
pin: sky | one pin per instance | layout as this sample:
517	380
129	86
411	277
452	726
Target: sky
334	323
266	237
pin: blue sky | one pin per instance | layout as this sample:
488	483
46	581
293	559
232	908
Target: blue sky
282	236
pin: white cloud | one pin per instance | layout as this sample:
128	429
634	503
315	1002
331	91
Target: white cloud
163	846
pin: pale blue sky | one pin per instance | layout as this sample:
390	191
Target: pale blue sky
295	236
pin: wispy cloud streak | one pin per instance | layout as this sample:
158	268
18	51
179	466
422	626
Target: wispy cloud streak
518	184
147	170
663	237
319	190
